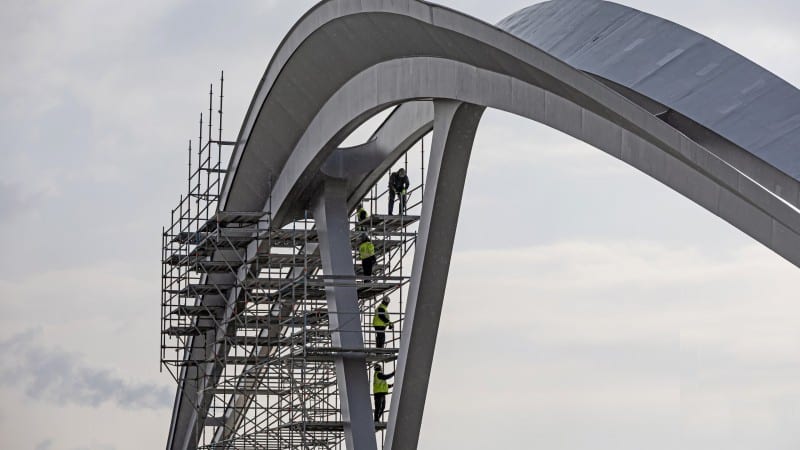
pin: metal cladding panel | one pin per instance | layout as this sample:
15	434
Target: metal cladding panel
684	70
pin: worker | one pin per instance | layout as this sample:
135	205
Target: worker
380	389
398	186
366	251
361	215
380	321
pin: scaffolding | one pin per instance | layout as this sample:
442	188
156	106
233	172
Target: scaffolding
245	327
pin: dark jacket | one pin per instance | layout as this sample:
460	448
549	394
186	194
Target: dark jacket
398	183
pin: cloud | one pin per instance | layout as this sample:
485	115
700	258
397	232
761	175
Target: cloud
579	289
59	377
575	342
601	264
15	200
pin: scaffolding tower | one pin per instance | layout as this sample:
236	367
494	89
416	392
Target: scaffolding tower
244	315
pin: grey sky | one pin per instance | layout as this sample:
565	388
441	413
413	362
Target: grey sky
619	316
58	376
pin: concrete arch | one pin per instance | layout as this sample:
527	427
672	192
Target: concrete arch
317	89
266	149
660	151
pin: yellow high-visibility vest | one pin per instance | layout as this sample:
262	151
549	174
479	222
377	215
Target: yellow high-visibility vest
376	319
366	249
379	386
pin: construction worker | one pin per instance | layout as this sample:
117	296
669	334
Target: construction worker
398	186
361	215
380	389
366	252
380	321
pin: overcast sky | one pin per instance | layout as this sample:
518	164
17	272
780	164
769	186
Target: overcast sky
588	307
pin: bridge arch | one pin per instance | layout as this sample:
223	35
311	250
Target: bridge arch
347	59
276	132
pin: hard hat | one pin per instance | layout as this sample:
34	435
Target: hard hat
364	237
377	367
386	299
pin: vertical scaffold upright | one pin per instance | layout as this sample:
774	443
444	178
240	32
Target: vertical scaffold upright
245	323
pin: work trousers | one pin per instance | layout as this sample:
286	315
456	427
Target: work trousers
401	200
380	406
380	336
367	264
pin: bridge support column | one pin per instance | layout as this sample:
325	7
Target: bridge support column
454	128
330	215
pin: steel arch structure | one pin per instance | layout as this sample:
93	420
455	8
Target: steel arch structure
695	116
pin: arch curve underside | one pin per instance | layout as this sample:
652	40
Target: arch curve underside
688	112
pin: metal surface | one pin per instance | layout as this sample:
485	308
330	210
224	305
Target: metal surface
642	89
455	125
677	67
331	216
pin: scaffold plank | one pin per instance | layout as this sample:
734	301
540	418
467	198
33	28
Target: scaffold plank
193	330
379	223
280	260
261	341
289	238
226	238
315	355
296	238
193	290
197	260
266	321
193	311
248	391
317	291
225	218
329	354
310	263
270	442
175	259
312	427
215	266
322	281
